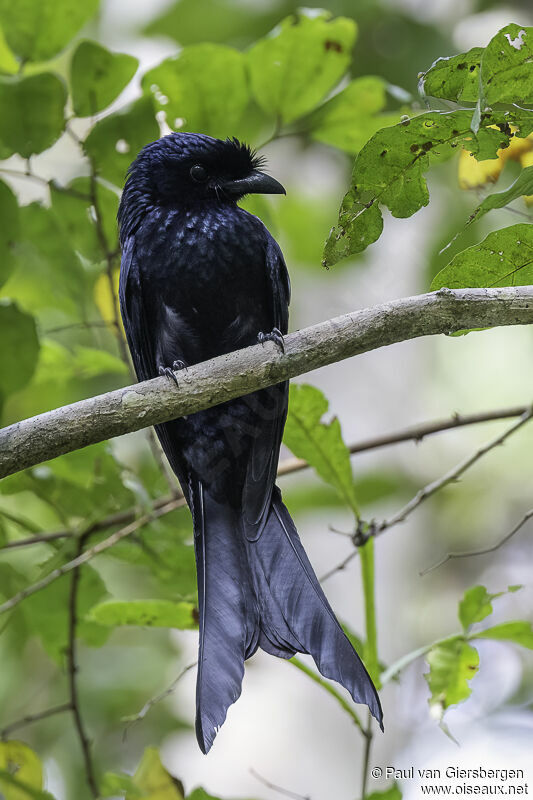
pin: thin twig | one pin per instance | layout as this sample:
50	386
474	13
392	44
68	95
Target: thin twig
483	550
451	476
29	719
154	700
86	556
343	564
279	789
72	669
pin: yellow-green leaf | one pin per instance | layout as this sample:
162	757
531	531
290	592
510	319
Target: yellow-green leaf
154	613
19	761
154	780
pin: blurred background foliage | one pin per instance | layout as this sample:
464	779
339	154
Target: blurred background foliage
82	88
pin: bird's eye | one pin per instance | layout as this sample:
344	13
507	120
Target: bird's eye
198	173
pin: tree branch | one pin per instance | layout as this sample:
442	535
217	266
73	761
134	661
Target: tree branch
63	430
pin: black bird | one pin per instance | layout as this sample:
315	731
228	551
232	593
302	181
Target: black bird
201	277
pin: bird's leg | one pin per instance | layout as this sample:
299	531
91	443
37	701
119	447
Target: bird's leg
171	373
275	336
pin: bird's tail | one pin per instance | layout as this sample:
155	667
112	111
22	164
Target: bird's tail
295	615
261	592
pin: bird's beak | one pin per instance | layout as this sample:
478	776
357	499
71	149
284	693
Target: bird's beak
256	182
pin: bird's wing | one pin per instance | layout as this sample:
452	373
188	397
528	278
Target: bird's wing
270	407
141	341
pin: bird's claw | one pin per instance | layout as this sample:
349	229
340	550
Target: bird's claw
179	364
168	373
275	336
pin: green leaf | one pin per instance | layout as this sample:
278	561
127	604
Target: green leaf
8	63
48	273
392	793
518	632
115	141
197	21
20	347
75	214
38	29
46	612
455	78
154	780
351	117
91	362
9	214
523	185
319	443
152	613
476	605
506	73
204	88
114	783
452	665
20	790
303	58
24	766
98	76
36	112
359	225
390	168
504	258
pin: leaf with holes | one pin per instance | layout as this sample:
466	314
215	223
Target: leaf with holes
504	258
204	89
98	76
506	66
455	78
300	61
317	442
452	665
36	117
390	168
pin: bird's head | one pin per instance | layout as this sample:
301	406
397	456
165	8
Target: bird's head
187	169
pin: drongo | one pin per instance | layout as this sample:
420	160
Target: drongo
201	277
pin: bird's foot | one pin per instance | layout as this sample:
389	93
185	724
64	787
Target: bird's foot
275	336
171	373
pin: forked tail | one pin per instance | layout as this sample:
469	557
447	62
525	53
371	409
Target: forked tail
261	593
